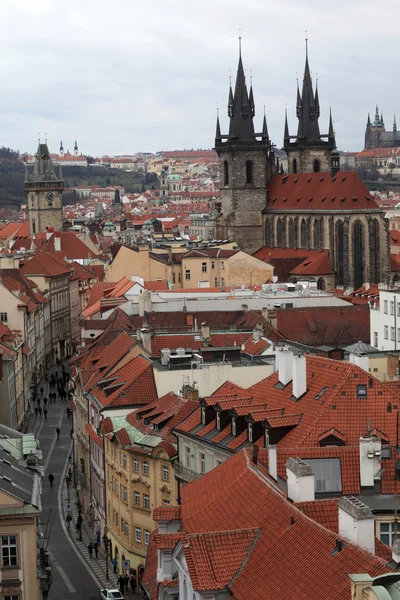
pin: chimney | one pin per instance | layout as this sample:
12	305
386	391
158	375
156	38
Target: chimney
245	308
49	232
256	334
299	376
370	460
396	551
205	331
284	359
360	361
300	480
57	241
146	339
356	522
254	456
272	462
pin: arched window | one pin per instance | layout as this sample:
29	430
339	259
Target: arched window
317	234
268	234
321	284
374	251
292	234
294	165
33	226
279	233
226	173
249	171
316	166
358	254
303	234
339	253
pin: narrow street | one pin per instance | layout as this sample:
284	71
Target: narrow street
74	574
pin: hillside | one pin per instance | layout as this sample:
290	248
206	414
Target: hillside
12	175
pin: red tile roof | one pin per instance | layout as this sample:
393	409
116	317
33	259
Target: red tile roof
46	265
167	513
94	435
319	191
324	512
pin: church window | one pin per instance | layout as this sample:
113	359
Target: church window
374	251
292	234
249	171
268	234
358	262
33	227
316	166
340	253
294	166
303	234
317	234
280	234
226	173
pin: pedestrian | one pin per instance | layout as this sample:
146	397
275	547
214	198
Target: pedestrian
36	411
38	401
96	549
68	412
68	520
40	410
58	431
133	583
70	473
41	390
115	564
51	479
126	577
45	413
71	433
121	581
90	550
45	400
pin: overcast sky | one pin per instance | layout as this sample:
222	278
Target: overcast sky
124	76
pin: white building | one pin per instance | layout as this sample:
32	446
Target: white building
385	320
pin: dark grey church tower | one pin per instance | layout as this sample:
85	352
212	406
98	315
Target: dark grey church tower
308	151
246	165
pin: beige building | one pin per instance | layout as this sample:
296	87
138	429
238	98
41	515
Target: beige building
25	566
139	449
140	262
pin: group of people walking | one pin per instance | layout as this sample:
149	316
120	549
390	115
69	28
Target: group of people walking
124	581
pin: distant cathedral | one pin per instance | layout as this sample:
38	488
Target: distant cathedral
315	206
377	137
44	190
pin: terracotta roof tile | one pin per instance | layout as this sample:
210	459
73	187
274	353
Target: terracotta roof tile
167	513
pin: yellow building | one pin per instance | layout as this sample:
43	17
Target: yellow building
139	449
25	571
141	263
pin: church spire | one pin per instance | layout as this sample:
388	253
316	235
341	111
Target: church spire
264	133
331	132
240	109
394	124
286	137
308	107
368	121
376	115
218	129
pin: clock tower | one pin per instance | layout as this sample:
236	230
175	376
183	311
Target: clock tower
44	191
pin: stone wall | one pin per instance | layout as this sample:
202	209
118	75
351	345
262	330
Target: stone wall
305	158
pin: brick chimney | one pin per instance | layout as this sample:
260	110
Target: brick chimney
300	480
356	522
370	459
57	241
284	360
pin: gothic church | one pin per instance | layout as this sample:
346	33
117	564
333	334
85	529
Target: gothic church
313	206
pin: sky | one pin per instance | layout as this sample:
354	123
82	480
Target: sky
126	76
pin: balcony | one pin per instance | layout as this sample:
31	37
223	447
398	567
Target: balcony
184	473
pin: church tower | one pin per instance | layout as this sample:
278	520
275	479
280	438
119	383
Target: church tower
44	191
246	165
61	152
76	151
308	151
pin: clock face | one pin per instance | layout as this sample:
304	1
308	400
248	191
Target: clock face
50	198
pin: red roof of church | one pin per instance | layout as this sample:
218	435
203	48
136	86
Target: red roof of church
319	191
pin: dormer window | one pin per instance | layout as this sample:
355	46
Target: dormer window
250	432
218	421
233	426
203	415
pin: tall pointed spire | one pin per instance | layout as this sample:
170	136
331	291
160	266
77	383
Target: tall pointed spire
251	98
394	124
286	136
331	133
239	109
369	121
376	115
308	107
264	133
218	129
382	121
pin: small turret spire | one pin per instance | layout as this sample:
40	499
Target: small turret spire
264	133
218	129
331	132
382	121
286	136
